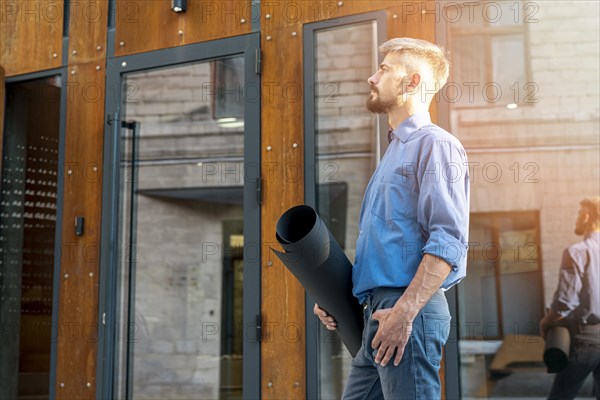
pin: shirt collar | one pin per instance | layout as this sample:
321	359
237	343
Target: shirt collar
412	124
595	235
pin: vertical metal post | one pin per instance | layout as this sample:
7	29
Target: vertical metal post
133	127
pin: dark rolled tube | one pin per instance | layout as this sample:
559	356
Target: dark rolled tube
314	257
556	349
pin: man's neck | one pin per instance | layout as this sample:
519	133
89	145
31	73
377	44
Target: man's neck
397	115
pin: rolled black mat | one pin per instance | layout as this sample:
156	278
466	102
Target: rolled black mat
318	262
556	349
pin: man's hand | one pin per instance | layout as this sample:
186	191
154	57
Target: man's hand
395	324
325	318
549	320
392	335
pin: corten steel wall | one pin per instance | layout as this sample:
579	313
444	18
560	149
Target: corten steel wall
31	35
78	294
31	40
143	25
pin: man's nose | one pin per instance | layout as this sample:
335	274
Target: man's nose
372	80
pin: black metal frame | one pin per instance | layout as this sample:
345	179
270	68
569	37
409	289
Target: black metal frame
248	46
451	354
129	330
62	72
312	324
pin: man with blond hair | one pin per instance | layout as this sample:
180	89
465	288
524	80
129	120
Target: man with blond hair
576	304
413	229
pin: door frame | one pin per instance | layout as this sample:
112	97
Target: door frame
62	127
248	46
451	358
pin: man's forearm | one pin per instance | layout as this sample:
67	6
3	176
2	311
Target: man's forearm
548	321
429	277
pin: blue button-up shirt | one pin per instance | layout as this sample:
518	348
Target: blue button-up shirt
416	203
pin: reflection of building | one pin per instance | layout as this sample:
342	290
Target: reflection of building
532	140
188	220
174	265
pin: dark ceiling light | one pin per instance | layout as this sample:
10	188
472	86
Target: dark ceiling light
179	5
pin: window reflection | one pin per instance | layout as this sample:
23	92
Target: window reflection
346	154
531	163
182	214
489	53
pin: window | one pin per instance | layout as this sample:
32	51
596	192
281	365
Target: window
228	78
343	146
489	56
500	305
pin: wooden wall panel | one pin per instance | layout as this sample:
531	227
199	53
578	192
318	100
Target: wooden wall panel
283	350
78	292
143	25
87	31
30	35
78	300
282	359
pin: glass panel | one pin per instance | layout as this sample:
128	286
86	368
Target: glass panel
522	255
505	13
27	236
545	150
487	48
500	305
346	151
481	284
508	65
182	219
469	72
469	15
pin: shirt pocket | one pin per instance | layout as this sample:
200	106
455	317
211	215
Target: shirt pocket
395	199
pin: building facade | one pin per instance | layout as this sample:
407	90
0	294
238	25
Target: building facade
147	154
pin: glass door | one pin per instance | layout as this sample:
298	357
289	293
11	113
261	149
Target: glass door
343	148
186	264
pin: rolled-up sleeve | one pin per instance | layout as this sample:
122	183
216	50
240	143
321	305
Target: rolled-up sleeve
443	206
566	297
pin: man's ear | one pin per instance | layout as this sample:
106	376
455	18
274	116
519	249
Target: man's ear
415	81
586	216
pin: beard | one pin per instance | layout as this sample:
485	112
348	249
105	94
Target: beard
377	105
579	230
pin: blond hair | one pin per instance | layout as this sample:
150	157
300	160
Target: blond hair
419	51
592	206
